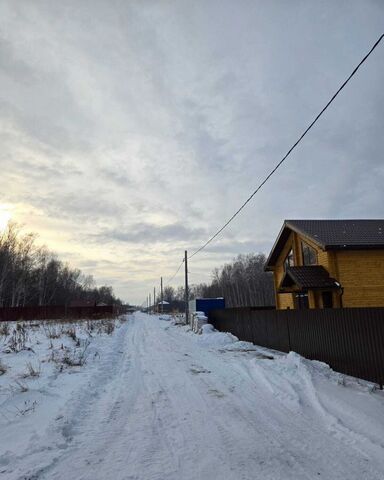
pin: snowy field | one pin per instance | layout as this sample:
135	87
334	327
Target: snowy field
151	400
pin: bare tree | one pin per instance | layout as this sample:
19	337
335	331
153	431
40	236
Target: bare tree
243	282
31	275
169	294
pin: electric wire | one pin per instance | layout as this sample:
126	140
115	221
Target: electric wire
289	151
174	275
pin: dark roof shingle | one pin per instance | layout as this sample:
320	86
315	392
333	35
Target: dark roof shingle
341	233
332	235
305	277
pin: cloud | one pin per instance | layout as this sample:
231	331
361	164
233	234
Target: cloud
131	131
142	233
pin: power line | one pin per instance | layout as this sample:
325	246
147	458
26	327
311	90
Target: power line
289	151
174	275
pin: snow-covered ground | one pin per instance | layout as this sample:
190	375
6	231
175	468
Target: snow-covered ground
155	401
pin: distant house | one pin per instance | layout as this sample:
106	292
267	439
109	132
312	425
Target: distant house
328	264
174	306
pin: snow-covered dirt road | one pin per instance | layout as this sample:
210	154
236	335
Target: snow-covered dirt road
162	403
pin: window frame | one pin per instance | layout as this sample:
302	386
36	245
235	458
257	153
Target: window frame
288	258
303	245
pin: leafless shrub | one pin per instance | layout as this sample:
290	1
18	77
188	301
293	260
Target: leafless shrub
32	370
52	331
34	324
57	354
76	357
71	332
20	387
106	326
28	407
18	339
100	326
52	357
90	327
66	356
3	368
4	329
109	326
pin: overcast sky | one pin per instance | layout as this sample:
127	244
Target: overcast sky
131	130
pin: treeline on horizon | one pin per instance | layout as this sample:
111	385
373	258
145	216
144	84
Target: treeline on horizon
242	282
32	275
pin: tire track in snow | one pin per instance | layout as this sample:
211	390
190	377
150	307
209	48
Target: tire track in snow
103	431
167	408
229	451
300	441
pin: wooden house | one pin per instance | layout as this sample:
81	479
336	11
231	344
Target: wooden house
328	264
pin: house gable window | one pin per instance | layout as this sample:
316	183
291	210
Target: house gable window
289	262
309	254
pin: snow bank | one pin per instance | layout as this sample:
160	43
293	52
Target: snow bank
224	341
212	338
208	329
241	346
340	403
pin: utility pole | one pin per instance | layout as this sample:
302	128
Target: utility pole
186	288
150	302
154	299
161	295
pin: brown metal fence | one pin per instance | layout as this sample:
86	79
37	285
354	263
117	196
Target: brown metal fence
350	340
54	312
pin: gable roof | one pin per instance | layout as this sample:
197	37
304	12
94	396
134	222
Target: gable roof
308	276
332	235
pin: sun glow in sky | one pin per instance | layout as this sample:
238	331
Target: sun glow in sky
5	216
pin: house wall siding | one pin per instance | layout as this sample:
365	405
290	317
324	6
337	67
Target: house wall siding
361	274
285	301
